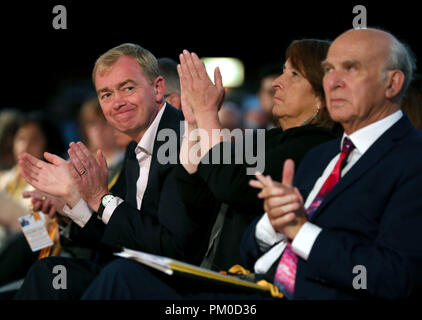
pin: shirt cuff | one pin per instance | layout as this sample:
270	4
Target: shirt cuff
80	213
305	239
264	263
109	209
265	234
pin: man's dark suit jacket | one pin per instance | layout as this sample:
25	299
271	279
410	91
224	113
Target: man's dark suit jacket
162	225
372	217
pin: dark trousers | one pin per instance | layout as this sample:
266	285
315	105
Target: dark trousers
70	279
125	279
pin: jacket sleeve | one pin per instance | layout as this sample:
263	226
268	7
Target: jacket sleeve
249	248
229	183
195	194
91	234
169	232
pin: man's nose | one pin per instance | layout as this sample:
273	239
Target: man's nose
118	100
333	80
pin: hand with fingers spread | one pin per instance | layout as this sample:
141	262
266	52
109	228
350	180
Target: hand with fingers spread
52	177
199	92
90	176
202	99
282	202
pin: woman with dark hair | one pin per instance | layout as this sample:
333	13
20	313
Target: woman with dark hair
220	190
299	106
304	57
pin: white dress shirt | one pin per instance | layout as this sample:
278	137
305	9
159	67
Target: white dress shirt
302	244
81	212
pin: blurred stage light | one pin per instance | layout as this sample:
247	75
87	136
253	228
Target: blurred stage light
232	70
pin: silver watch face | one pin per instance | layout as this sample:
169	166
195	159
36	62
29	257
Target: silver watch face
106	199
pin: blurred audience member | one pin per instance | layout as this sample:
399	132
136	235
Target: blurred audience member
230	116
168	70
266	91
34	135
64	106
255	119
412	102
8	126
98	134
253	115
122	140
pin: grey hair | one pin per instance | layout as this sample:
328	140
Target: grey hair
400	58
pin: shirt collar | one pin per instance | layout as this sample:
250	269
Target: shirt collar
366	136
147	141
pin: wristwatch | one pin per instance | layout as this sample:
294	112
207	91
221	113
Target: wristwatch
104	202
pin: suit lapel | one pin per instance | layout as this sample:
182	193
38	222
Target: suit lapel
308	173
132	174
371	157
170	120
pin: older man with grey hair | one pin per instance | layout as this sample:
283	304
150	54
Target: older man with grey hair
351	225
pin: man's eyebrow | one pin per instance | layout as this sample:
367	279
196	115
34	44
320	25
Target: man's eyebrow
102	90
324	63
121	84
346	63
351	63
127	81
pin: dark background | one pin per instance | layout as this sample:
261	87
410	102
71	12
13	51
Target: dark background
38	61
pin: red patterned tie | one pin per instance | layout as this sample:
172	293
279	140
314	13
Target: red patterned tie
285	275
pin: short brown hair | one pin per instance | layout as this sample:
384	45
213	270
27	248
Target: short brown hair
145	59
306	56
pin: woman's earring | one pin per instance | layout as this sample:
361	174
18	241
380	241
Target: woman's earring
318	106
308	121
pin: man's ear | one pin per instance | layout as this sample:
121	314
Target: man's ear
159	87
394	84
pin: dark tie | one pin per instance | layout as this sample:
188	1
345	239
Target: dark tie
285	275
